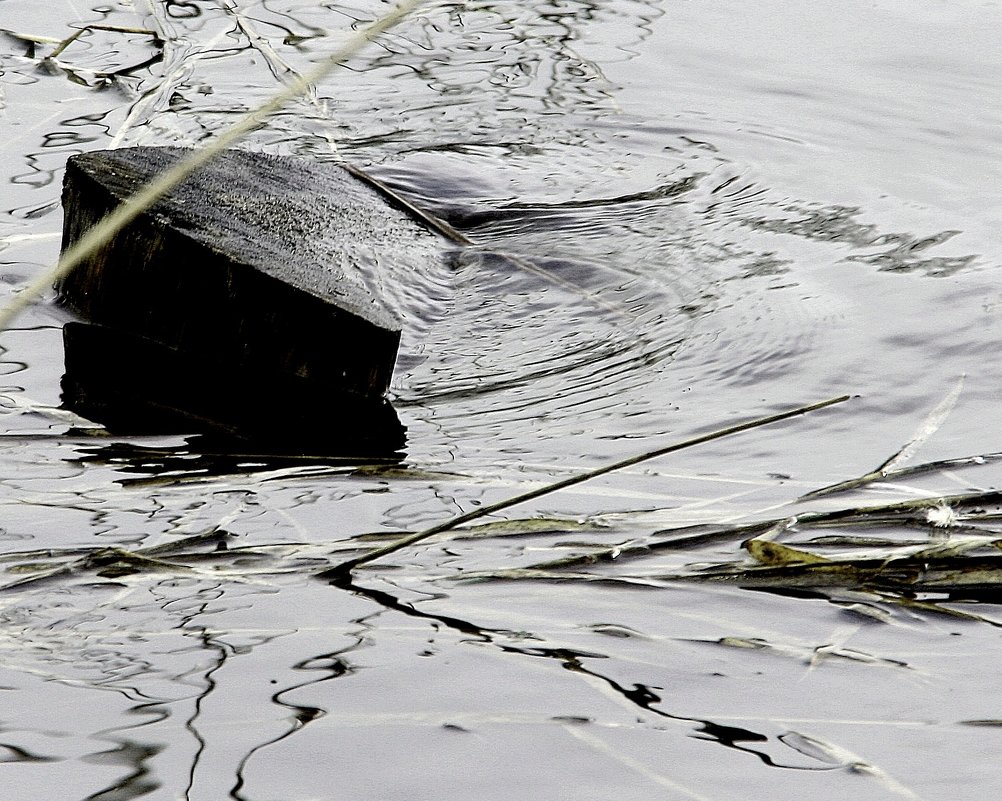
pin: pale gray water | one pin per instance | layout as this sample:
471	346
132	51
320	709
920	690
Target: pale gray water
755	205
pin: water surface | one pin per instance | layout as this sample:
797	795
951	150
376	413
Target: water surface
730	210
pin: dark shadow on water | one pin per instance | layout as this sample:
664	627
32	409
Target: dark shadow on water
331	666
135	386
138	783
207	457
233	421
640	695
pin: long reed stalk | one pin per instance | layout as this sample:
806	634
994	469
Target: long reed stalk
342	571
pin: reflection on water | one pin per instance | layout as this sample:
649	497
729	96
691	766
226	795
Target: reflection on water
681	214
889	252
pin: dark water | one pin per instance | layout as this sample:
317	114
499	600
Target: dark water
731	209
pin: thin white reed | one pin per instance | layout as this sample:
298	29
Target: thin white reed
100	234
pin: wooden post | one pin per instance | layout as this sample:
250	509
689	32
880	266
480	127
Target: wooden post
250	290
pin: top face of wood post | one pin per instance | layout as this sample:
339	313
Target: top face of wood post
310	225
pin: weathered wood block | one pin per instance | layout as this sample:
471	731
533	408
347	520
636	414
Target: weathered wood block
260	268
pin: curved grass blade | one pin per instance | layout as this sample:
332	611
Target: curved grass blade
841	757
932	423
937	466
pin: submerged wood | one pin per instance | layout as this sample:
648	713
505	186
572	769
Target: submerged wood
250	291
